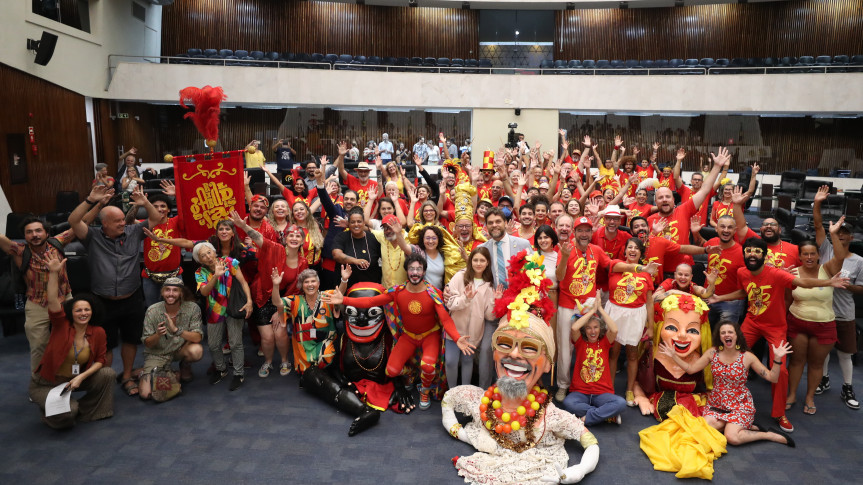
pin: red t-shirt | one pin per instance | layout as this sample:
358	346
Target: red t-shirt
627	289
669	284
361	190
162	258
766	294
579	282
418	311
727	263
720	209
686	194
613	249
780	255
644	173
657	250
484	191
666	181
642	210
590	374
291	197
676	230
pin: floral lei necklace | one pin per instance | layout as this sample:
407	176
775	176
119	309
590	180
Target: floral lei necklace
500	423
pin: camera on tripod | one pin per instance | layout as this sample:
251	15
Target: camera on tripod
511	137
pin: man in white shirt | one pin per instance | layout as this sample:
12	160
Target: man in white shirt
385	147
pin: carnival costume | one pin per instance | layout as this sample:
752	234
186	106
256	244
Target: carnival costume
525	444
415	320
683	442
662	383
358	385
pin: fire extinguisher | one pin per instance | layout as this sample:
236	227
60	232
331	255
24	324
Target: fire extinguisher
32	133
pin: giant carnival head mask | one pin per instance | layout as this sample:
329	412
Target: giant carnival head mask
364	324
522	354
684	327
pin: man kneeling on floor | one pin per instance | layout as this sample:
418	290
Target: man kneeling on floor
172	332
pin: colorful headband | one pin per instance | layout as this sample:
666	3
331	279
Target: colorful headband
260	198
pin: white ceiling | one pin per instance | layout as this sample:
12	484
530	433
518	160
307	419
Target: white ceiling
541	4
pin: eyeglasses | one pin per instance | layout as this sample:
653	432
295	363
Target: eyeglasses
529	347
770	224
463	226
753	251
430	238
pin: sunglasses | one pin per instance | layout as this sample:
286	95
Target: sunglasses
529	347
753	251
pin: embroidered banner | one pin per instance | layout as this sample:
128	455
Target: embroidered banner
209	187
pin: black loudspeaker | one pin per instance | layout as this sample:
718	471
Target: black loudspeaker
44	48
518	111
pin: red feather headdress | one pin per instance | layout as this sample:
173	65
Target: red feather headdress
207	101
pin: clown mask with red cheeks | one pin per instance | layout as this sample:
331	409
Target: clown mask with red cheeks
681	332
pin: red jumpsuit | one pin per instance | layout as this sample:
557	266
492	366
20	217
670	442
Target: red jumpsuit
421	324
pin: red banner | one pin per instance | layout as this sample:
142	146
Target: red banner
209	187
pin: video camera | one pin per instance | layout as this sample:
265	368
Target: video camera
511	137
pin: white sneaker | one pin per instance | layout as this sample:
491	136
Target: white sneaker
560	395
285	368
265	369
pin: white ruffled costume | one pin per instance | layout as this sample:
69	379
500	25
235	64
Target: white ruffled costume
494	464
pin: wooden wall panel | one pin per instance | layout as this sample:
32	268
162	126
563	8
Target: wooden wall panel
771	29
325	27
64	160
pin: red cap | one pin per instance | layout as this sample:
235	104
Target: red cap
595	194
260	198
582	221
389	220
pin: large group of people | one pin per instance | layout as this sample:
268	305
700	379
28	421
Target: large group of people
419	270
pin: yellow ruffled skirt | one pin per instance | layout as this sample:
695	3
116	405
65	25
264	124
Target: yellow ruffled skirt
683	444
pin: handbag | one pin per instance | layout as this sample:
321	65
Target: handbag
165	384
236	301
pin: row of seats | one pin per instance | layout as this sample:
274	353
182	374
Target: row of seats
325	61
738	65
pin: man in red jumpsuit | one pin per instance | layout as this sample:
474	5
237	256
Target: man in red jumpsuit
418	314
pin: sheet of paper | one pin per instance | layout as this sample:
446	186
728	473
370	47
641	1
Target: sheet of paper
57	402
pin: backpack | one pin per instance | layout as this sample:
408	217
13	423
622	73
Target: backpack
19	273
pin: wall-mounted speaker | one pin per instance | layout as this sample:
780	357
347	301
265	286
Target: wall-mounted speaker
44	47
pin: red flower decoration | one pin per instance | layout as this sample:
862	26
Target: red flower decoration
686	303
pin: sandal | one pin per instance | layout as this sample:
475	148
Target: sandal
130	387
810	410
789	405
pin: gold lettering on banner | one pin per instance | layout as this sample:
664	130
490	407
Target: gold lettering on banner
210	174
212	203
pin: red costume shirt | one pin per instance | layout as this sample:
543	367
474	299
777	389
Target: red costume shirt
162	258
766	294
272	255
727	263
579	282
720	209
686	194
780	255
613	249
60	342
415	309
656	249
590	374
642	210
266	230
676	230
361	189
627	289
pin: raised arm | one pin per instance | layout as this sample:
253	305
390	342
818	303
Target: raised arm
755	364
840	252
340	160
719	161
76	218
752	180
273	178
55	267
153	215
256	236
678	165
817	219
738	201
179	242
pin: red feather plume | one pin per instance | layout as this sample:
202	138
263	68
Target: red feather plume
206	101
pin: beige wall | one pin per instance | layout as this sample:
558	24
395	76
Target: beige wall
80	61
775	93
489	128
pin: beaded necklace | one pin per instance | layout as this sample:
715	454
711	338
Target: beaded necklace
500	423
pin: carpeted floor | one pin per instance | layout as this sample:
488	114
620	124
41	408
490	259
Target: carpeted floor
270	430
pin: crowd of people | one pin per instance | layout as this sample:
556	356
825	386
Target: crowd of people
315	270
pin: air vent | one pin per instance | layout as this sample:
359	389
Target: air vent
139	11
